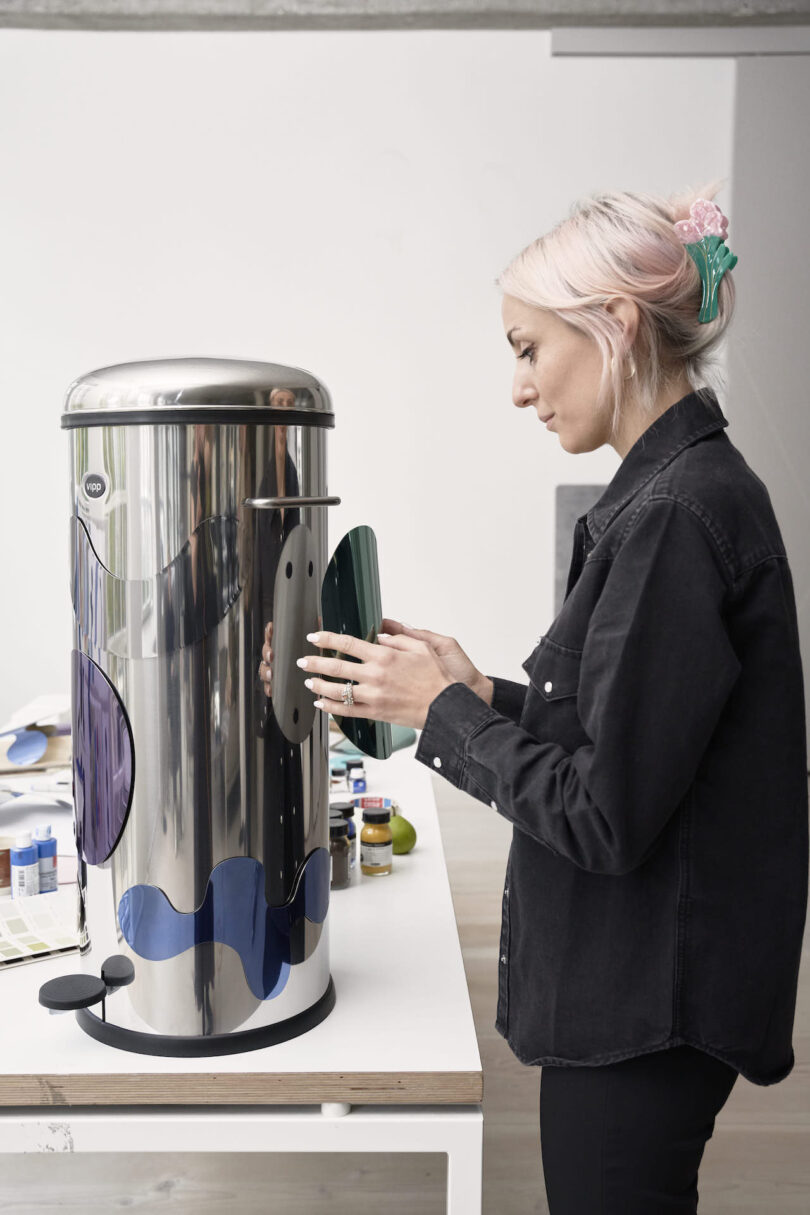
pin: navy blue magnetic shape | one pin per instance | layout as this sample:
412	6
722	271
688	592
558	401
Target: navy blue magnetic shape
233	912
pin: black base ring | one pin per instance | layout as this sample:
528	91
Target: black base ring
191	1046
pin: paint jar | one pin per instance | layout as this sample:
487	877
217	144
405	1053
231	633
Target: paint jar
339	852
347	810
337	778
376	843
356	776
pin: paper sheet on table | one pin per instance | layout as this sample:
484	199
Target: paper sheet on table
38	926
43	710
55	784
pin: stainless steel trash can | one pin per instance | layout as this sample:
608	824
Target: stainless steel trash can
199	530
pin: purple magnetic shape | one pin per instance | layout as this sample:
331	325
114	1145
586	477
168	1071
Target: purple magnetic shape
28	747
103	761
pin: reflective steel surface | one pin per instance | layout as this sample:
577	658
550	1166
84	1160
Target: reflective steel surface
175	581
195	384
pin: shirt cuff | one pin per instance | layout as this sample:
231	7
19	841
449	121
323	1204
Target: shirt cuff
508	697
452	719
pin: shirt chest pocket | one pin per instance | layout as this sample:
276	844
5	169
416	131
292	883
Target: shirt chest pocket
550	709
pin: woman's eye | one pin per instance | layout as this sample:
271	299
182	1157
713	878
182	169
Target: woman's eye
527	353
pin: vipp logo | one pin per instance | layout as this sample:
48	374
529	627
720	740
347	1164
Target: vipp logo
94	485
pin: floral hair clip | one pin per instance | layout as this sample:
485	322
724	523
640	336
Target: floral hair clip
704	235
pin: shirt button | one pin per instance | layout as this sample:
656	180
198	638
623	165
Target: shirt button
503	957
493	806
437	763
548	685
506	889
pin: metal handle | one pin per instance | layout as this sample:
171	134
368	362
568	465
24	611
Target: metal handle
267	503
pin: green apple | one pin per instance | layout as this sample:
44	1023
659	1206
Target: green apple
403	832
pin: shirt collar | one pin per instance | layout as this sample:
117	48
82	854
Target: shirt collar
693	417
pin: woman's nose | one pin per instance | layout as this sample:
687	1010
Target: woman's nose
523	391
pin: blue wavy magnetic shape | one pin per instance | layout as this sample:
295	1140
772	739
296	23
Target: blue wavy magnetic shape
233	912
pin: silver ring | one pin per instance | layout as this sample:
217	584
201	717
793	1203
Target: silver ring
347	695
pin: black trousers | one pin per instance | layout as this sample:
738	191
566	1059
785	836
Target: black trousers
627	1138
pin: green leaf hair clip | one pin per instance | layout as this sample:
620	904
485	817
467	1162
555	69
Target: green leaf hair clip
704	235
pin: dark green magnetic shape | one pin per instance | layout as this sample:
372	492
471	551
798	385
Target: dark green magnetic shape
351	604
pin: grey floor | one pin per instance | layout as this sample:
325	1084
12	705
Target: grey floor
758	1159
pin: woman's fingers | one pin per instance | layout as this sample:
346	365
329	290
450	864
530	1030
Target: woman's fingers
400	641
389	625
267	658
399	628
343	643
424	635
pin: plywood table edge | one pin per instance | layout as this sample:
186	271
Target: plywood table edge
244	1088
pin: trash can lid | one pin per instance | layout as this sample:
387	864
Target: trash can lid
160	391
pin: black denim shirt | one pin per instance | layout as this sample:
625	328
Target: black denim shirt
654	771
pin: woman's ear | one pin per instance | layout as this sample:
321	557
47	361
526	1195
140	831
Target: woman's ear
626	312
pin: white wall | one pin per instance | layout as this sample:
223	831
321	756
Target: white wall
338	201
769	361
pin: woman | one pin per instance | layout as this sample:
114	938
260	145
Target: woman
654	769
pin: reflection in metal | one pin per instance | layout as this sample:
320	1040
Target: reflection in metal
264	503
352	604
175	581
199	390
180	604
295	613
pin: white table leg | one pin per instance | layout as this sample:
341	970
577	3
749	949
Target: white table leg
335	1109
464	1167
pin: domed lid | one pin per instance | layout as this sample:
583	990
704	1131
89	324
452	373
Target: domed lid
195	390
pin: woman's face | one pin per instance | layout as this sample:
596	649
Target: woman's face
557	373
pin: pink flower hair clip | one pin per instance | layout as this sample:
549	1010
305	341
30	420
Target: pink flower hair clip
704	235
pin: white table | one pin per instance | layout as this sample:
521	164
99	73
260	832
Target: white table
396	1062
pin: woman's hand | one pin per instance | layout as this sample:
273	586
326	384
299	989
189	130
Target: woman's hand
449	652
266	664
396	679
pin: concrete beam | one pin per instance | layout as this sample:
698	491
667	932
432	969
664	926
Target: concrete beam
393	14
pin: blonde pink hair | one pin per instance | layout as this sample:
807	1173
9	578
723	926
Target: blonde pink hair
624	243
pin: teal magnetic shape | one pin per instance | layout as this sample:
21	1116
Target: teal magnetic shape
713	258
